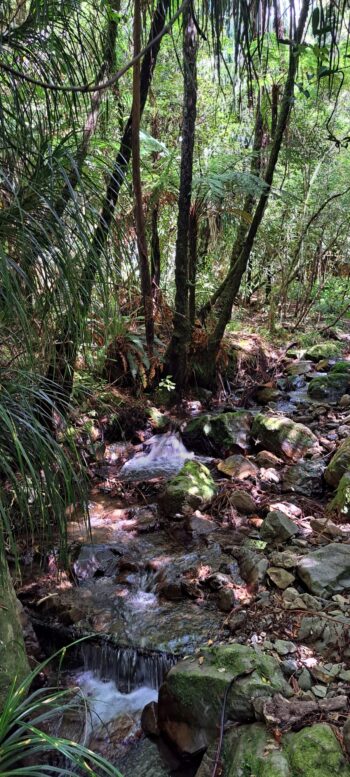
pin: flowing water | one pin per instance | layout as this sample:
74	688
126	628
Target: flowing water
165	457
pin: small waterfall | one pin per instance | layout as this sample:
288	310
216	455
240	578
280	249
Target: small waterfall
127	667
166	456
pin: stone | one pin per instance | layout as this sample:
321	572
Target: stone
280	577
190	488
226	599
329	387
284	647
267	394
268	459
315	750
326	571
299	368
339	464
346	735
289	667
304	478
252	566
305	680
238	467
218	435
243	502
190	699
200	525
344	401
341	501
96	561
328	350
149	719
13	659
341	366
277	527
237	621
252	750
285	558
284	437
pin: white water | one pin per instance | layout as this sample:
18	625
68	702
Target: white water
105	702
166	456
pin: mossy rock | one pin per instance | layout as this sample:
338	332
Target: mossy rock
267	394
341	501
330	387
282	436
339	464
218	435
190	699
190	488
13	659
328	350
316	752
342	366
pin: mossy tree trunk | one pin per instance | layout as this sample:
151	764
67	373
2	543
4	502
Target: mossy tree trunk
13	659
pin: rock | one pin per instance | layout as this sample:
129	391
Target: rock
316	751
329	387
252	750
299	368
277	527
238	467
328	636
226	599
304	478
320	691
190	488
149	719
266	394
200	525
268	459
326	571
285	558
323	674
346	735
237	621
341	501
283	647
305	680
326	527
289	667
283	436
243	502
190	699
280	577
328	350
96	561
344	401
341	366
252	566
218	435
339	464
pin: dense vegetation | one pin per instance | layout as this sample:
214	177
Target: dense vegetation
169	174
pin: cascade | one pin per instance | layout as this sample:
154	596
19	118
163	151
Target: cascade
166	456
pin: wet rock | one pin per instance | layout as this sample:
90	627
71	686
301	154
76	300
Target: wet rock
268	459
189	489
283	436
326	571
171	590
329	387
238	467
190	699
328	350
339	464
299	368
267	394
277	527
280	577
218	435
316	750
304	478
226	599
243	502
95	561
149	719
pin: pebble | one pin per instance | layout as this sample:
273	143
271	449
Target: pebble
280	577
283	647
304	680
289	666
320	691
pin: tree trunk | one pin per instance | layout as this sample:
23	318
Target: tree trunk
192	270
155	253
234	277
145	276
13	659
176	358
61	368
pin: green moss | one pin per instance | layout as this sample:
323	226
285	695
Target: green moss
192	486
339	464
281	435
329	350
341	366
316	752
330	387
218	434
341	501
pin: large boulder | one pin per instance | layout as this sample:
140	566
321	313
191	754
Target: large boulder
342	366
219	435
339	464
329	387
328	350
326	571
283	436
190	488
190	699
314	750
341	500
13	659
304	478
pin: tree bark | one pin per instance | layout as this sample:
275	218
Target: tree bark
155	252
145	276
234	277
176	360
192	270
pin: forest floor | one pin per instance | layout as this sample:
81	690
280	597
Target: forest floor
264	563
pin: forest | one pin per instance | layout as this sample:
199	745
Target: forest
175	388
